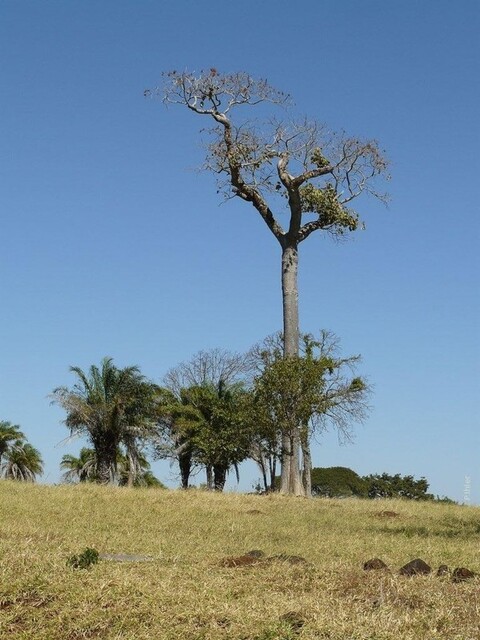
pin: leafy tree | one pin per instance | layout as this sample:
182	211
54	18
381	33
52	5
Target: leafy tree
9	435
109	406
337	482
297	396
202	417
297	166
222	437
387	486
22	462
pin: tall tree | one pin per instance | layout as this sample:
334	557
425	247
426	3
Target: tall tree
109	406
298	165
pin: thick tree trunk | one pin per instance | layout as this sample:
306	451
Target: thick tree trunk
219	477
291	481
106	463
291	331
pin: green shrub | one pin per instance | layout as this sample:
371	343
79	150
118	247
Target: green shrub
84	560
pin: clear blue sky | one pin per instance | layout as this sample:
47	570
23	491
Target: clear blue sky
113	245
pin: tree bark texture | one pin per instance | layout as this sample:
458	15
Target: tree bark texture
106	463
307	462
290	299
291	480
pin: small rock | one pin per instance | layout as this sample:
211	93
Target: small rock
460	574
415	567
443	570
256	553
375	564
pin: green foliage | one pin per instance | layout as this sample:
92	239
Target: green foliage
318	159
221	436
397	486
310	389
83	560
331	213
290	391
337	482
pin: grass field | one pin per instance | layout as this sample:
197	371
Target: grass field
184	592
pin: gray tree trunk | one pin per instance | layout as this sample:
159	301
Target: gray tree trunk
291	481
307	463
209	472
291	331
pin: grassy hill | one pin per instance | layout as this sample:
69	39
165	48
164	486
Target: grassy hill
184	592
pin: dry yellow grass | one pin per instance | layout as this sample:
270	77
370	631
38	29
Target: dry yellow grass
184	592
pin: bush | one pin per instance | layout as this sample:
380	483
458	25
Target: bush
337	482
84	560
397	486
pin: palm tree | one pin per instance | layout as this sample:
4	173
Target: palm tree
109	406
79	469
178	422
84	469
141	477
22	462
9	433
